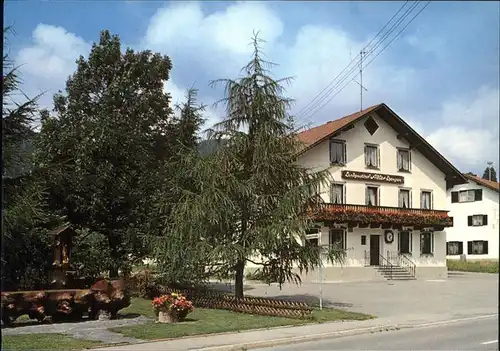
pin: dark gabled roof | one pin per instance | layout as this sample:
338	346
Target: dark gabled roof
484	182
316	135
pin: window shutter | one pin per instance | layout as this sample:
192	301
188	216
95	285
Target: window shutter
431	205
454	196
421	202
345	194
485	247
460	247
409	160
485	219
478	194
344	146
447	248
366	195
469	221
378	157
469	247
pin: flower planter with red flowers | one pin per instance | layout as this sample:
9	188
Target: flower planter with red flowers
172	308
367	216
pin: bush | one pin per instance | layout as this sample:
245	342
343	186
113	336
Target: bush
91	252
143	284
483	266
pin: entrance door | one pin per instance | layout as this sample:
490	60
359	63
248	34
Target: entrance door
374	250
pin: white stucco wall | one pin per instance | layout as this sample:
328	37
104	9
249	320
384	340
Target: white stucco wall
424	175
489	205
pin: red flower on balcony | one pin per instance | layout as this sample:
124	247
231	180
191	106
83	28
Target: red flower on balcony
379	215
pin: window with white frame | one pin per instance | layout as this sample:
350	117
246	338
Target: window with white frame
312	236
372	156
337	193
338	238
426	200
372	194
338	152
466	196
404	198
426	243
404	160
477	247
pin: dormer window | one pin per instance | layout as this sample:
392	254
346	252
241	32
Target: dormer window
338	154
372	159
404	160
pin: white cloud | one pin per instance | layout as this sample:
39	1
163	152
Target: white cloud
469	135
217	45
48	62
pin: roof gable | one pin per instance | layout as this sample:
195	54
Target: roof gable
314	136
484	182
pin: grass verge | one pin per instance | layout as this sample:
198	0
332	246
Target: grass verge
209	321
485	266
45	342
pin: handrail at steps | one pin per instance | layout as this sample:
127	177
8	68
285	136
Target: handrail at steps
407	264
385	263
402	261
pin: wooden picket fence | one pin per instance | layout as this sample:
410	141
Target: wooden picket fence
252	305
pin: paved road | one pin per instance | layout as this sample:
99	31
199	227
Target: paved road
418	301
480	334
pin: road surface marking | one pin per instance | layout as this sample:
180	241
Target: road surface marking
436	280
489	342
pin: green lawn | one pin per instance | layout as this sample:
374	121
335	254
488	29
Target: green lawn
485	266
208	321
45	342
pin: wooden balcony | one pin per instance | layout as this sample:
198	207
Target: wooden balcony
384	216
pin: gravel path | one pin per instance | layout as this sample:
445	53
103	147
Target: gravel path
89	330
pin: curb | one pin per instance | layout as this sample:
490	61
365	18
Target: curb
350	332
298	339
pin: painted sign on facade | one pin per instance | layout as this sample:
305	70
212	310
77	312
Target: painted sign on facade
375	177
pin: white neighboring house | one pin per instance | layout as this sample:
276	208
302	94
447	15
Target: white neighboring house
387	204
474	207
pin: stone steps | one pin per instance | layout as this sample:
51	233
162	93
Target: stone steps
397	273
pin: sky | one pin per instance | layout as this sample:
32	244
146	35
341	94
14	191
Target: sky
440	74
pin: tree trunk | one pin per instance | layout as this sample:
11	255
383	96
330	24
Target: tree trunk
238	279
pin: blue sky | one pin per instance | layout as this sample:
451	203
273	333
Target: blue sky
441	74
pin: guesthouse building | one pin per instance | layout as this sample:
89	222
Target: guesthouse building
387	203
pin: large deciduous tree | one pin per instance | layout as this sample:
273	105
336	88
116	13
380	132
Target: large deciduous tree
246	202
112	131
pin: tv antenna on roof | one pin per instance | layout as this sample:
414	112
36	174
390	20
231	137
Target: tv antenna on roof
361	53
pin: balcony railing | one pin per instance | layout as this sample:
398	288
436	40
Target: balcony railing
380	215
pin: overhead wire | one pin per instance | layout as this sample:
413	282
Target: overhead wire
312	111
353	60
346	76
